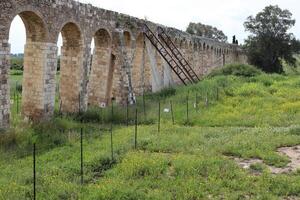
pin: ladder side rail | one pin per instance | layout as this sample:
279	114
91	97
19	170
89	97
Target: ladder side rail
180	58
169	62
151	36
167	40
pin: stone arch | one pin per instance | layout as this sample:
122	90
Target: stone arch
71	35
98	89
71	68
35	103
36	30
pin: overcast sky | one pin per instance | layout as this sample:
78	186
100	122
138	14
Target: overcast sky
228	15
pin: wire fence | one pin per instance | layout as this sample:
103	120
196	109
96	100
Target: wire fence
148	110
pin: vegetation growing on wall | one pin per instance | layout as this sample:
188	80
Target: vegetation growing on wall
207	31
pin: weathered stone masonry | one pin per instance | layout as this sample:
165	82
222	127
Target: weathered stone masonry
85	81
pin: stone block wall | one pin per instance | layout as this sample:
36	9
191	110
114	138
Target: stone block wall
4	87
50	77
99	77
33	80
70	79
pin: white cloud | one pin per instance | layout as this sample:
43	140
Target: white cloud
227	15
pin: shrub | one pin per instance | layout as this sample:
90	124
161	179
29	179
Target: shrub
16	72
91	115
236	70
16	140
17	63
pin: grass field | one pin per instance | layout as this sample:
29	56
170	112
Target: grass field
245	117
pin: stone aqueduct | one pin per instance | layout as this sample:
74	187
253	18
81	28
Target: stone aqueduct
86	79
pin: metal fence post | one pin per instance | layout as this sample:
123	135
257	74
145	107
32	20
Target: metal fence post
81	155
144	106
111	131
127	113
158	127
135	131
17	103
172	112
187	108
34	171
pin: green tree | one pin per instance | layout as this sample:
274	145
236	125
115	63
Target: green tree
16	62
270	42
206	31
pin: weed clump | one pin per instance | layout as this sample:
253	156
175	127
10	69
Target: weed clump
163	94
236	70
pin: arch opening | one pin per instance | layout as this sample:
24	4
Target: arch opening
17	41
35	64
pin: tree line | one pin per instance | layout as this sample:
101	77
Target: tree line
269	43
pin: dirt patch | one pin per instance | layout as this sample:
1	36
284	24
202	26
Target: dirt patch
292	152
294	155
